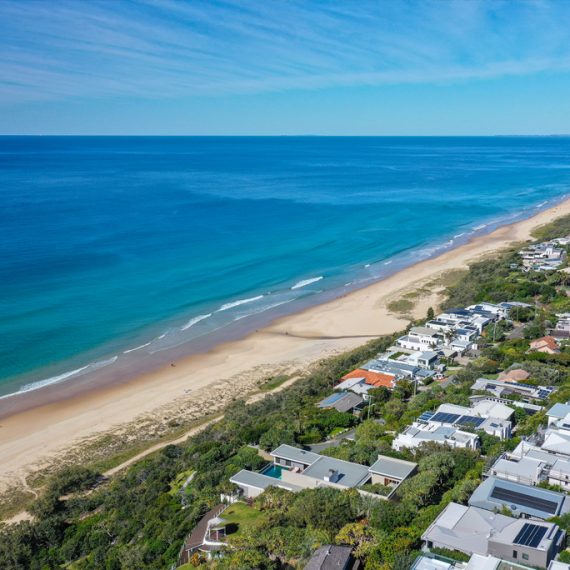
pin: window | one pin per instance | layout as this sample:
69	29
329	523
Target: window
525	556
287	463
515	554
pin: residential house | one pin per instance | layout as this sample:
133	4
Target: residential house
431	561
477	531
546	344
294	469
420	338
420	433
207	537
331	557
477	418
496	494
531	465
357	386
503	389
546	256
391	471
528	408
558	412
343	402
373	378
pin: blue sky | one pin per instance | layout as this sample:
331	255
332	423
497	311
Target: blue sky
384	67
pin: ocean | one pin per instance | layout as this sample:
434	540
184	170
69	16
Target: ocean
116	250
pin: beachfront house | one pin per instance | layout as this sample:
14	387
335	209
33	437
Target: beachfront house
344	401
546	256
294	469
420	338
472	530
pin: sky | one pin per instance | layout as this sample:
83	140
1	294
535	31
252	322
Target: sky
382	67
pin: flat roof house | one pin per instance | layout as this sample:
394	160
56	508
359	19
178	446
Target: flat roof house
420	338
476	531
522	501
420	433
477	418
558	412
501	389
391	471
531	465
295	469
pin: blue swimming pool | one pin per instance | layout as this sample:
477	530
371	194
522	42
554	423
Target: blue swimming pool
273	471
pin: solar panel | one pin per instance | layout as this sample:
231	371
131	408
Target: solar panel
530	535
426	416
445	418
522	499
470	420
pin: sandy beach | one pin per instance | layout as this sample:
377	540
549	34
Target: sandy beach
205	383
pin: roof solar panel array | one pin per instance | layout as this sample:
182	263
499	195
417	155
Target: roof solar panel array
530	535
520	499
445	418
470	420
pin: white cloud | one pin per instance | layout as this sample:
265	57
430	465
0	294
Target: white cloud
162	49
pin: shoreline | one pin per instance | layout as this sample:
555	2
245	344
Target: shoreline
203	383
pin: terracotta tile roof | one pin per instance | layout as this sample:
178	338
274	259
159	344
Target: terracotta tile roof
545	342
376	379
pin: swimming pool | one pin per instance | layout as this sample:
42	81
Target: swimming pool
273	471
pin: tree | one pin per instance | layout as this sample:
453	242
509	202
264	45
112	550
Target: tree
430	314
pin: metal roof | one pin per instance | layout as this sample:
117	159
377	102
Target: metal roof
295	454
392	467
349	474
520	499
259	481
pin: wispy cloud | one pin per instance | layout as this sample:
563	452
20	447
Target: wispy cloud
167	48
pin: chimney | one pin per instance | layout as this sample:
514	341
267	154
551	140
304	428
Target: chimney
331	476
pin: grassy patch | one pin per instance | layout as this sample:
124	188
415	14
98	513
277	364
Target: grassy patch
449	278
274	382
239	516
401	306
176	485
13	501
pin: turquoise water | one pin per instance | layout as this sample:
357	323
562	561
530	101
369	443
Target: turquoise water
273	471
116	251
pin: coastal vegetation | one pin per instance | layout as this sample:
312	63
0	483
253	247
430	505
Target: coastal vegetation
141	516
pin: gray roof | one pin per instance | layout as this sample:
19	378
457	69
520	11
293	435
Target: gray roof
392	467
559	410
349	474
247	478
469	529
494	494
345	403
330	557
423	331
295	454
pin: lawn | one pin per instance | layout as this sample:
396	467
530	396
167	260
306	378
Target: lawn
274	382
239	516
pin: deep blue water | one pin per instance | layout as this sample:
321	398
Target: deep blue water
109	243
